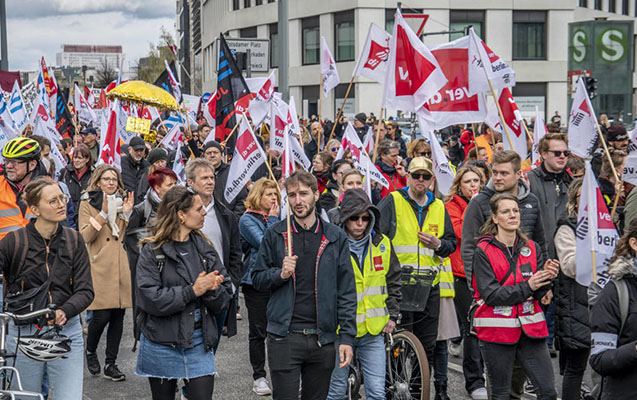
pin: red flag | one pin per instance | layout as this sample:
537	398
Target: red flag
110	152
102	102
413	73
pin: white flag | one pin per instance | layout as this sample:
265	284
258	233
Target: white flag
83	110
539	131
48	131
352	142
369	143
484	64
329	74
178	165
443	171
16	108
595	232
413	74
630	169
513	121
248	156
6	120
209	111
372	62
582	123
260	104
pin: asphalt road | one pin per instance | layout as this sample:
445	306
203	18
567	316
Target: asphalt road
235	374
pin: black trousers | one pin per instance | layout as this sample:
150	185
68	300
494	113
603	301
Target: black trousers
572	366
295	356
424	324
472	366
534	357
114	318
257	305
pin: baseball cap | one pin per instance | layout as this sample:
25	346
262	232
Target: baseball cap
86	131
137	143
421	164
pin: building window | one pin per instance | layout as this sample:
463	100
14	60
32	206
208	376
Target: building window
531	94
459	20
246	3
344	36
271	1
583	3
311	95
389	17
311	40
625	7
339	94
258	2
598	4
274	45
248	33
235	5
611	6
529	35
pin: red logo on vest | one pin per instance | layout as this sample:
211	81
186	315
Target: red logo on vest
378	263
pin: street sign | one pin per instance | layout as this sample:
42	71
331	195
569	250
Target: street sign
259	52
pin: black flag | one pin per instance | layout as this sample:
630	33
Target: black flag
231	88
63	117
164	81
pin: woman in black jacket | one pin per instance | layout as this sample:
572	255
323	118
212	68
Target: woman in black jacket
77	174
180	285
614	336
48	251
572	326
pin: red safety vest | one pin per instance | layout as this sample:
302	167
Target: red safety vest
504	324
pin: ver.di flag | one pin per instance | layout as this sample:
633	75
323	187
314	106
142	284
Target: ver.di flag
539	131
442	169
595	232
248	156
372	62
109	152
260	104
329	74
485	65
582	123
352	142
630	168
83	110
16	108
512	119
413	74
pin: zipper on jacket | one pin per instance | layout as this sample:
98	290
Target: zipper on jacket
48	271
318	258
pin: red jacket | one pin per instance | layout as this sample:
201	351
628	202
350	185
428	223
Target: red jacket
509	305
456	207
395	180
467	140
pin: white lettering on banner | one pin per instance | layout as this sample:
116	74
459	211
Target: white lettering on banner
404	75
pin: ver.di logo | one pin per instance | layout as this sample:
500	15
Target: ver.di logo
579	45
612	45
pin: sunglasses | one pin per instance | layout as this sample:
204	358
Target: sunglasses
558	153
355	218
424	176
425	154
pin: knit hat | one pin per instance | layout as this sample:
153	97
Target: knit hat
157	154
213	143
617	133
361	117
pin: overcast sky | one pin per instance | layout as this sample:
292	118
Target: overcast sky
37	28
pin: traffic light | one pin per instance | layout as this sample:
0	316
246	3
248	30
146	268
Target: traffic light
591	87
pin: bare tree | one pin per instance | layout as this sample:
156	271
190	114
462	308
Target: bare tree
105	74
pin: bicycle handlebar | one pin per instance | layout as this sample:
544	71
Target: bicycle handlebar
23	317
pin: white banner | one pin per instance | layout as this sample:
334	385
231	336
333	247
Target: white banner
582	123
443	171
372	62
248	156
329	73
485	65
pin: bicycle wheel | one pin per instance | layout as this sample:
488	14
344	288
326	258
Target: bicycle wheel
407	375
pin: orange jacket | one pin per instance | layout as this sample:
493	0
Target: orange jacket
456	207
11	217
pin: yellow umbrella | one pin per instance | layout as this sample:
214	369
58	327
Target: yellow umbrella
145	93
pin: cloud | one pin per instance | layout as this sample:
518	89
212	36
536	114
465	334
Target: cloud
131	24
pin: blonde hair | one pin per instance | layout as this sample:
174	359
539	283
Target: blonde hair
93	183
413	146
253	201
455	186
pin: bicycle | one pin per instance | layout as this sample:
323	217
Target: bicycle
5	390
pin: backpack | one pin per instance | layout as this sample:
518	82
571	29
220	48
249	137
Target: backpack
623	298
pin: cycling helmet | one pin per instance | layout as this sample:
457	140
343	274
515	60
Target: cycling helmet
22	148
45	347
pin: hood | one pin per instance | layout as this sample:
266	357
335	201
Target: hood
356	201
621	267
523	189
94	197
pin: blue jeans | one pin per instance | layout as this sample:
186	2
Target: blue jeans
440	361
370	350
65	375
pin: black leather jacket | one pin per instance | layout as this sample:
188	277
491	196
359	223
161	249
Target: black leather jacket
167	299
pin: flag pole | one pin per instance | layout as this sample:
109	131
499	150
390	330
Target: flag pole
497	104
287	204
223	144
340	110
621	188
594	265
187	122
610	159
527	131
161	121
318	145
377	134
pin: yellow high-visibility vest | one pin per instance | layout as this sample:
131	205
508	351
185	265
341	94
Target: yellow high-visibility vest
371	289
411	253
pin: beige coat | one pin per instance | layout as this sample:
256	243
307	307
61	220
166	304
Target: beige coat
109	264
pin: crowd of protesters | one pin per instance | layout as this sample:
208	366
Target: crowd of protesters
498	250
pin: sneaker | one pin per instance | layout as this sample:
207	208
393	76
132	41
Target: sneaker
261	388
239	317
93	363
113	373
529	387
455	349
480	394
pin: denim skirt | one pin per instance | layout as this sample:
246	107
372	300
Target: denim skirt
167	362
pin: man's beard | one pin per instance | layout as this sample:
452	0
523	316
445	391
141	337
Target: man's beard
310	210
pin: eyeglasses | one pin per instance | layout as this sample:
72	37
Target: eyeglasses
108	180
425	154
13	162
355	218
334	148
558	153
62	201
424	176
